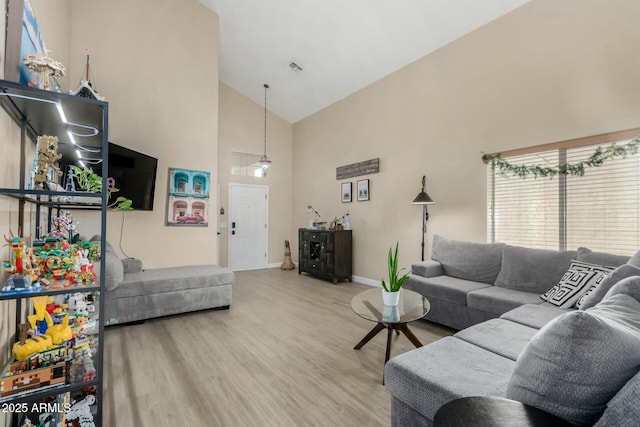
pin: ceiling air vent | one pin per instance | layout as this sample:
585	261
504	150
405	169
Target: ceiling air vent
295	67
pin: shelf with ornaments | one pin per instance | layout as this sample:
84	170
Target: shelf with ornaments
59	350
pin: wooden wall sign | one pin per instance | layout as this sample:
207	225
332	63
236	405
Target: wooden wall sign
358	169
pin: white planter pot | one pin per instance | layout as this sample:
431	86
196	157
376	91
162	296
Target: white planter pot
390	298
390	314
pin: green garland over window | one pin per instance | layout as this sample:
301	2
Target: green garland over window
576	169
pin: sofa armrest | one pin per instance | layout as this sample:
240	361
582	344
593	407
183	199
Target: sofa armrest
132	265
428	268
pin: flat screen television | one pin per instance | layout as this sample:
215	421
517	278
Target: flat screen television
134	174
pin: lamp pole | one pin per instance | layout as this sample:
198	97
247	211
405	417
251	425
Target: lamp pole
423	199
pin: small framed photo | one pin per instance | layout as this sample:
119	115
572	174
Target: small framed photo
345	192
363	190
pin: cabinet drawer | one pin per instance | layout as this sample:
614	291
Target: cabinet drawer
314	236
316	266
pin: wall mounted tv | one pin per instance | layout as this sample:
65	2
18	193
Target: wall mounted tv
135	176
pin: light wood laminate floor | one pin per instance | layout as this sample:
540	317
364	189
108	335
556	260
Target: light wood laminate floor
282	355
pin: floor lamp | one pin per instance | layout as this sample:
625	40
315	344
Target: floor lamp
423	199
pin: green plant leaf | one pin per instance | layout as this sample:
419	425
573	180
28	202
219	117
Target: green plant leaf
395	280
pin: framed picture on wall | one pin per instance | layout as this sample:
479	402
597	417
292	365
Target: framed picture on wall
188	198
346	192
363	190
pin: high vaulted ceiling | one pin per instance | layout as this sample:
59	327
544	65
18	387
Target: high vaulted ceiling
341	45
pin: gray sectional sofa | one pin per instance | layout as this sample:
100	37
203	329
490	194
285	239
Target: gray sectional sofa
579	364
134	294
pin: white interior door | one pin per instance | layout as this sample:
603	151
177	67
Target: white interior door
247	227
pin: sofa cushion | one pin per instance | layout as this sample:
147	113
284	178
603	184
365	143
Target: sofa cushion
479	262
159	280
113	269
579	279
532	270
635	259
623	409
499	336
595	295
578	361
533	315
499	300
428	377
444	288
601	258
629	286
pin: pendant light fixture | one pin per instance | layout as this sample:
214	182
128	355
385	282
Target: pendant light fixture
264	160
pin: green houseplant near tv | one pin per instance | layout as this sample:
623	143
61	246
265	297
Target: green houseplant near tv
88	180
391	290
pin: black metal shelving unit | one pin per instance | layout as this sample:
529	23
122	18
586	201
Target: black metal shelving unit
80	124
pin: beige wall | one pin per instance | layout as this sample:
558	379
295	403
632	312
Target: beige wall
548	71
157	65
54	20
163	100
242	129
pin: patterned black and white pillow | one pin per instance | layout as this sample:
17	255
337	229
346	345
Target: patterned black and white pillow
580	278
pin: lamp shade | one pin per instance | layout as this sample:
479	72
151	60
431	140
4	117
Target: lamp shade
423	199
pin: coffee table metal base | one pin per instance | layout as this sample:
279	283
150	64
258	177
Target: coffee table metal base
390	327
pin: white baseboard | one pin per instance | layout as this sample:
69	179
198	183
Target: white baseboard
365	281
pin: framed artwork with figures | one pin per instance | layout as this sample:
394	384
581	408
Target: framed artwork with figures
346	192
363	190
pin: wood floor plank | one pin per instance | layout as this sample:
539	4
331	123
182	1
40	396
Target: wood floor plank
282	355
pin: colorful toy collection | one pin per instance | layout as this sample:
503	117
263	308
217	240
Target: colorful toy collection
52	263
56	345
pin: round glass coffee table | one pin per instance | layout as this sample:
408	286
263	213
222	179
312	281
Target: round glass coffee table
368	305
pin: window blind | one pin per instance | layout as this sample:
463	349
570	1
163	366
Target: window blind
600	210
603	206
524	212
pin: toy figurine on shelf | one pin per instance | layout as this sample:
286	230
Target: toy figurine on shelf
46	68
20	278
64	226
48	156
86	87
81	411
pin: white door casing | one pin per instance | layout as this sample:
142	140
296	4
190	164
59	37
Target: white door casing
248	230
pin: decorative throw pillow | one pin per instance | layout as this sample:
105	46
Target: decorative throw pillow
577	362
577	281
623	408
596	294
635	259
629	286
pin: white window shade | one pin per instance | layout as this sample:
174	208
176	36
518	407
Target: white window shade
603	206
524	212
600	210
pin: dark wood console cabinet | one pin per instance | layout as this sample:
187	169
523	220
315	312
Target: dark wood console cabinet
325	253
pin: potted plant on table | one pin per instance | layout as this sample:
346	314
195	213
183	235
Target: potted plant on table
391	290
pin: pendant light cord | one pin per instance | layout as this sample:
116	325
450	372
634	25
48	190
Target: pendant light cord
266	86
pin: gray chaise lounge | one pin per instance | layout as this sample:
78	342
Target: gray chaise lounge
134	294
